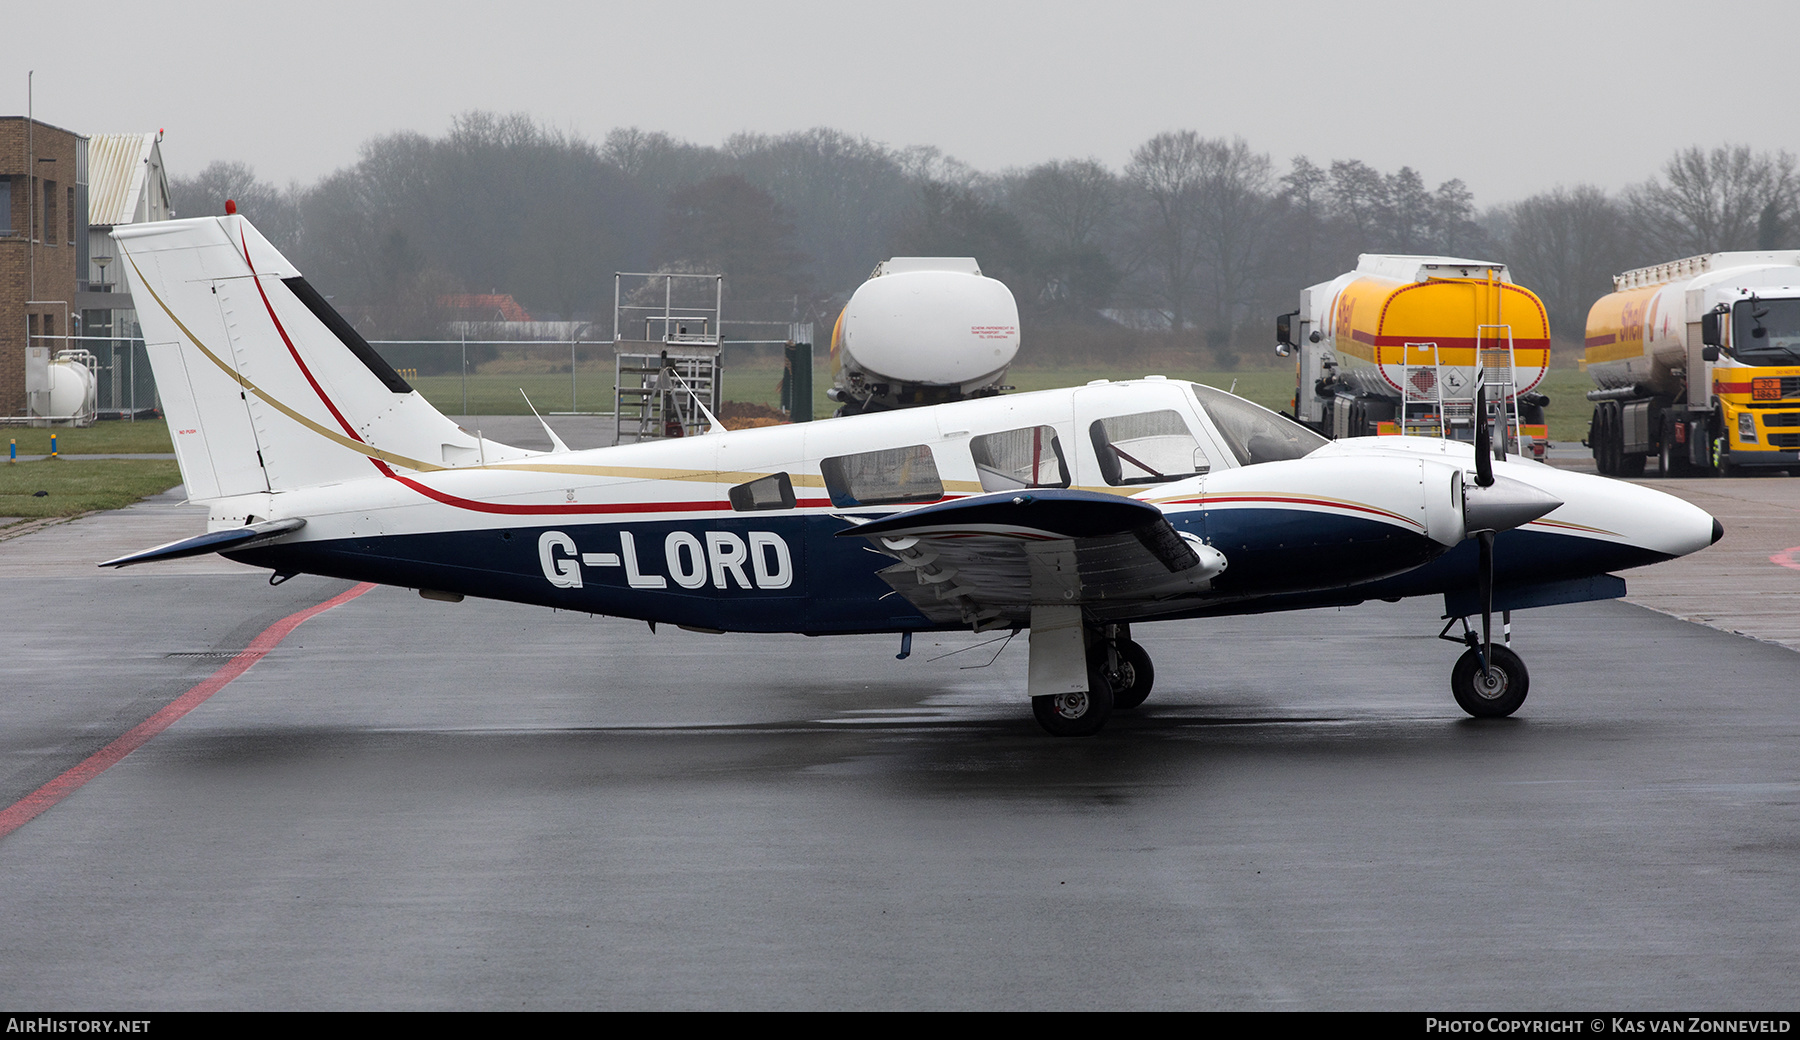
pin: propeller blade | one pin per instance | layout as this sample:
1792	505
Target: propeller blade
1484	441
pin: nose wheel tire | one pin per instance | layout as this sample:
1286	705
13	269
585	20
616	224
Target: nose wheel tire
1132	682
1493	695
1078	714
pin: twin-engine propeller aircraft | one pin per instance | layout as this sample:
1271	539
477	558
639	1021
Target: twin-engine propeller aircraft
1075	513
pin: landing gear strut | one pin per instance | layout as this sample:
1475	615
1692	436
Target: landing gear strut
1119	677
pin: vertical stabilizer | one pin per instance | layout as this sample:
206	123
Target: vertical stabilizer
267	388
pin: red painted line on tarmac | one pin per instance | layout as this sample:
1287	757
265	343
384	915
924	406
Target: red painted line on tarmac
39	801
1789	558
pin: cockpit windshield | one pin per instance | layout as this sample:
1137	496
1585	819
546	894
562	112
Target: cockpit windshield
1766	332
1254	433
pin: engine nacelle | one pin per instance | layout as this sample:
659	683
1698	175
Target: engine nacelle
922	330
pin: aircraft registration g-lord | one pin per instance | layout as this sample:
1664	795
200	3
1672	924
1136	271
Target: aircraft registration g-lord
1076	513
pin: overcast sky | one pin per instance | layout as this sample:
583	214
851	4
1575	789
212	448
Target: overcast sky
1512	97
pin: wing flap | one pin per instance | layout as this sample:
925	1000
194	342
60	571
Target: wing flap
986	561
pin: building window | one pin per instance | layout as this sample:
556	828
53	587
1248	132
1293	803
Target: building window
49	213
6	220
70	216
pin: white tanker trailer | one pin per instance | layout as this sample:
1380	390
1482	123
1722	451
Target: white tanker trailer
922	330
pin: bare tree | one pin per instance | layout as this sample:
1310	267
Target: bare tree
275	210
1167	170
1728	198
729	225
846	195
1069	205
1565	245
1235	204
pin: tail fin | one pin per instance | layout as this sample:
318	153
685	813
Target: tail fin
266	387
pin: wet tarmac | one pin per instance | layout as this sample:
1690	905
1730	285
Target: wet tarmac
413	804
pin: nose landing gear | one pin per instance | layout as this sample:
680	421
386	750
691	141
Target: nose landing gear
1492	688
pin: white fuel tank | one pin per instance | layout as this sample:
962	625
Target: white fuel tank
923	330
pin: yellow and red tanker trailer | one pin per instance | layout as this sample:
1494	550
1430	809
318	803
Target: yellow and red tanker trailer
1400	345
1697	362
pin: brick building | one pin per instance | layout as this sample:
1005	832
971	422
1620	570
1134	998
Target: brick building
43	232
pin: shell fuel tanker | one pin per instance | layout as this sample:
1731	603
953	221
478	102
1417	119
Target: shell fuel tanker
1400	345
1697	362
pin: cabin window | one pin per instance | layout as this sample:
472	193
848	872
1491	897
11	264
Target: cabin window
882	477
775	491
1254	433
1028	458
1146	448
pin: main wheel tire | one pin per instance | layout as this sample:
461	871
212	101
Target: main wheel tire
1496	695
1135	677
1076	714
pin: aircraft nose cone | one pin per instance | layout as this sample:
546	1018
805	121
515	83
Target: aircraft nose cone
1718	531
1504	505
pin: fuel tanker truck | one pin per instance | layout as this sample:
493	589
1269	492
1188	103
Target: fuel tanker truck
1401	344
1697	362
922	330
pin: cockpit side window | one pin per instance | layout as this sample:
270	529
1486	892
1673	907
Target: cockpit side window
1146	448
1027	458
1254	433
881	477
775	491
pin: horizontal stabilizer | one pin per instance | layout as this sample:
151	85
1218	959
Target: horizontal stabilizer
1039	514
212	542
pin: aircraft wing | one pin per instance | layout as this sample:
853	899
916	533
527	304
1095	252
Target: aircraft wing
987	561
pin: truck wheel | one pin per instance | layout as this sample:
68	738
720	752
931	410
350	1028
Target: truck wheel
1605	434
1670	462
1721	459
1632	465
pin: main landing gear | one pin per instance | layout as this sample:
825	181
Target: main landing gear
1489	680
1119	678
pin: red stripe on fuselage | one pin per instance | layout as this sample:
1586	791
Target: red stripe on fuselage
455	500
1296	501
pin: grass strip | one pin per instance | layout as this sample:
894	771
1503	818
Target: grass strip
78	487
